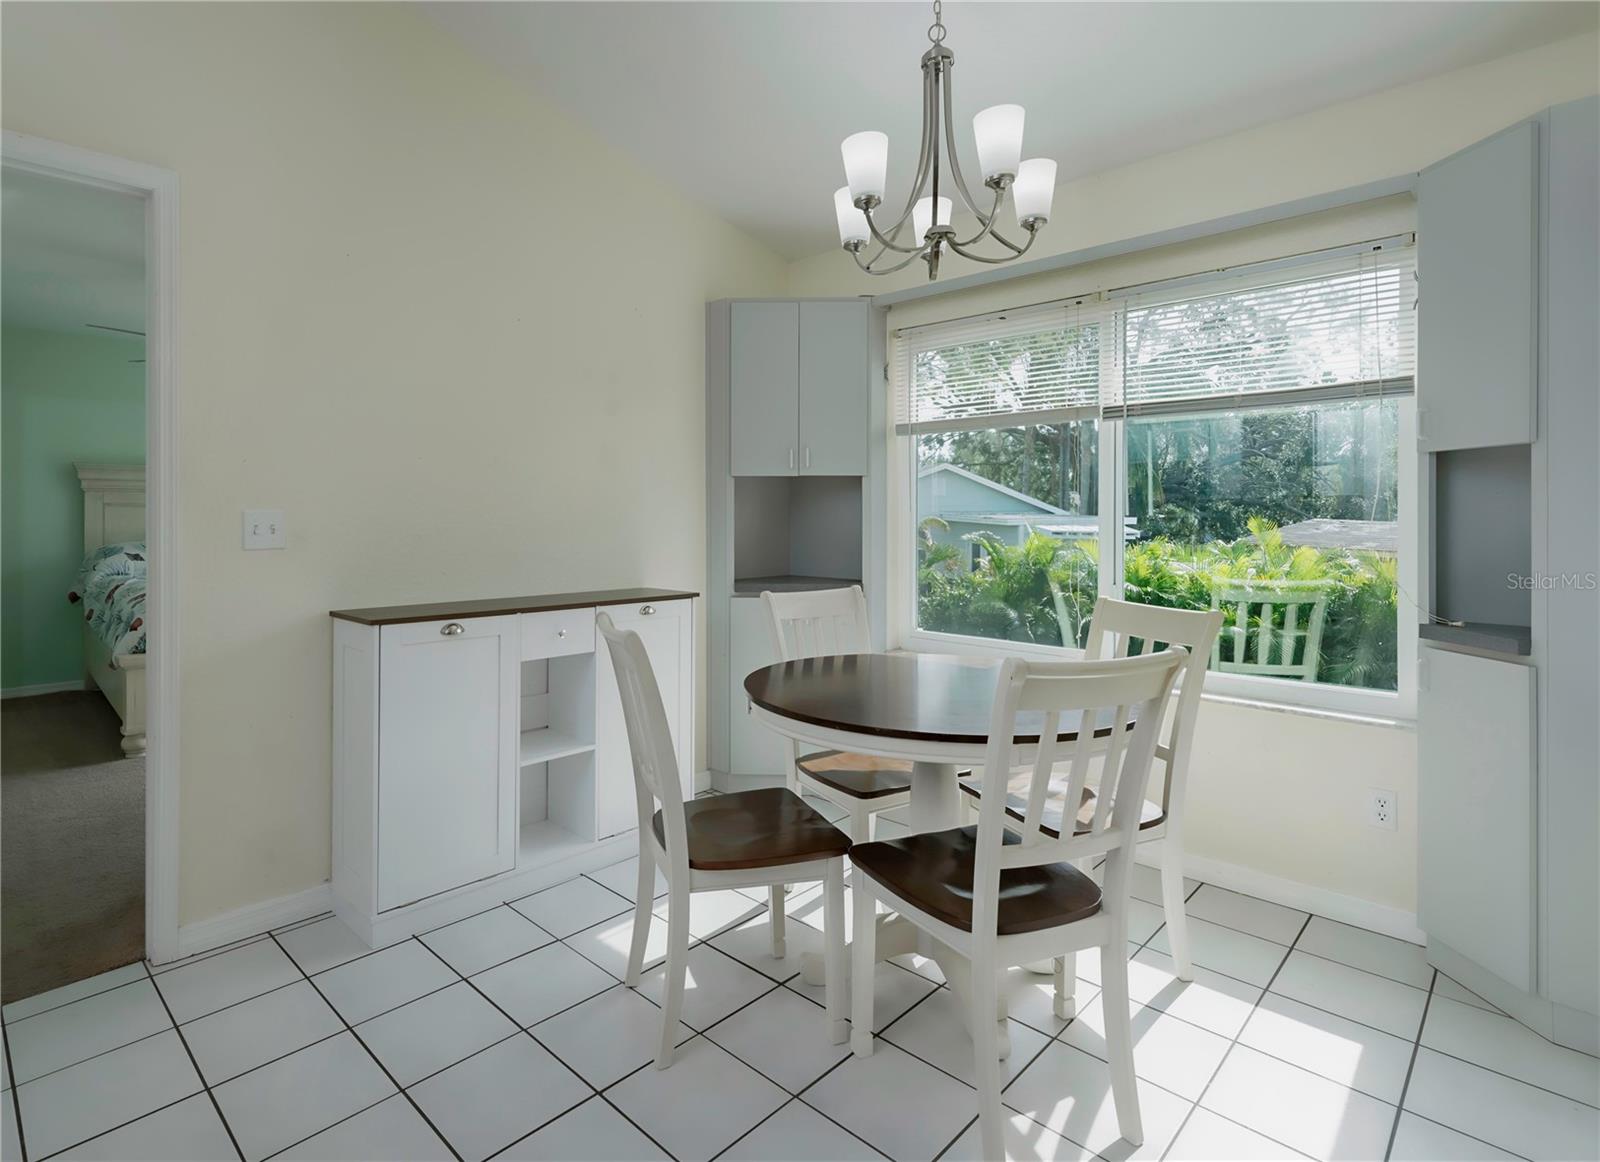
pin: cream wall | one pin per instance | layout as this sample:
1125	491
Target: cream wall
1397	131
419	312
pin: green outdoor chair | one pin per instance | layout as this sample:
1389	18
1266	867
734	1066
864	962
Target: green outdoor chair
1276	630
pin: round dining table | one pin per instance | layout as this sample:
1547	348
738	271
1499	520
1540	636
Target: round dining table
933	710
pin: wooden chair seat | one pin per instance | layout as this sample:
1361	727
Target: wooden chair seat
755	829
933	872
858	775
1151	813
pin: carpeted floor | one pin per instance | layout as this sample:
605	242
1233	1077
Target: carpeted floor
71	843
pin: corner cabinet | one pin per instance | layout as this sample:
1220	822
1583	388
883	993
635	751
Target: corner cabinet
479	750
801	382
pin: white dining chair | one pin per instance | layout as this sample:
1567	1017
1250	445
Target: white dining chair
1122	629
1002	895
823	622
763	838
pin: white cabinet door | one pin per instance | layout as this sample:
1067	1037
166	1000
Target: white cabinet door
764	388
667	630
447	747
1475	777
1477	266
836	376
752	748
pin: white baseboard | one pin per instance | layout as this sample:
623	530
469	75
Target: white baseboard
1359	913
252	920
43	688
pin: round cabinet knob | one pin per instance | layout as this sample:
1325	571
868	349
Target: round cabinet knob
647	610
454	628
561	633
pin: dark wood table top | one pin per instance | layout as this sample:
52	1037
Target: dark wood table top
927	697
497	606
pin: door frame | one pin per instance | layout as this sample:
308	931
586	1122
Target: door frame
159	189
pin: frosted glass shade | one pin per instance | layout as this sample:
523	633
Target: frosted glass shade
1034	189
866	163
922	216
998	132
852	222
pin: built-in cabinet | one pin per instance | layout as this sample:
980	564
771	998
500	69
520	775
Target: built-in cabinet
795	489
480	751
799	388
1509	803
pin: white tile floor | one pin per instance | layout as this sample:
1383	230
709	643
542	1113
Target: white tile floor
510	1035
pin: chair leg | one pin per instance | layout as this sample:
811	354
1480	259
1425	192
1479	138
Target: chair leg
833	934
1066	974
986	1056
1172	904
1119	1038
643	898
862	825
677	963
775	919
863	965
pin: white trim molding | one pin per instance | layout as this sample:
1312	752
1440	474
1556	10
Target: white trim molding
1381	918
43	688
251	920
159	189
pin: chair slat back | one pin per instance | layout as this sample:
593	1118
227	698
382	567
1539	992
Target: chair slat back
818	623
655	764
1104	696
1123	629
1276	630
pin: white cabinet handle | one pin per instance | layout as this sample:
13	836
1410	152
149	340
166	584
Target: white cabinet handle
647	610
454	628
791	457
808	455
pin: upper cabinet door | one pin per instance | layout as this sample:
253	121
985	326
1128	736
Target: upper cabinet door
1477	306
835	379
447	734
764	367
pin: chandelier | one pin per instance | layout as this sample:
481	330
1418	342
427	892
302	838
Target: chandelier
998	133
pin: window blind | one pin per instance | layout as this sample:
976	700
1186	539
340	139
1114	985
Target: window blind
1341	329
1034	365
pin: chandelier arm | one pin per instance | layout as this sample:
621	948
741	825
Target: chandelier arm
1012	246
1020	250
901	265
988	222
887	239
955	162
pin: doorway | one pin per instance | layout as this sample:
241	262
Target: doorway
88	801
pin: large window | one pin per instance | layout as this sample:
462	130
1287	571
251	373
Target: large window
1232	446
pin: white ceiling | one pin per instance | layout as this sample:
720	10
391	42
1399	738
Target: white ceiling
743	105
70	254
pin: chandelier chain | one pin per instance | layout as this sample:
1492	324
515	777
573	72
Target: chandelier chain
936	29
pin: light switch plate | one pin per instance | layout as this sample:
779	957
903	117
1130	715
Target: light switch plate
264	529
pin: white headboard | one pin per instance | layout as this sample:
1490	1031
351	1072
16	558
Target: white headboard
113	503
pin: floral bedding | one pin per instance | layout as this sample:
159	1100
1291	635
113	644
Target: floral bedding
111	589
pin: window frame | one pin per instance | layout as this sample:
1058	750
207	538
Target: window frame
1321	698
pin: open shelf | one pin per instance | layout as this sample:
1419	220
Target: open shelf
544	743
543	841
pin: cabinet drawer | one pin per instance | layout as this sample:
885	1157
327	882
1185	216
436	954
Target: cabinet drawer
557	633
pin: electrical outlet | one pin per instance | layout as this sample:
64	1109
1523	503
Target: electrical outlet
1383	809
264	528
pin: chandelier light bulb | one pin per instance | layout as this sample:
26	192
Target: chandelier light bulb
866	164
998	132
1034	190
922	216
852	222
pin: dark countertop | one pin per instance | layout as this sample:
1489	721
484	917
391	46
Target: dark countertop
495	606
1513	640
752	586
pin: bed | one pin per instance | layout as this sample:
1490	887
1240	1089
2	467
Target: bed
110	591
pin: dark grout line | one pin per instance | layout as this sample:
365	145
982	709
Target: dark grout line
454	1153
11	1094
202	957
15	1021
194	1063
348	1117
124	1125
1411	1065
